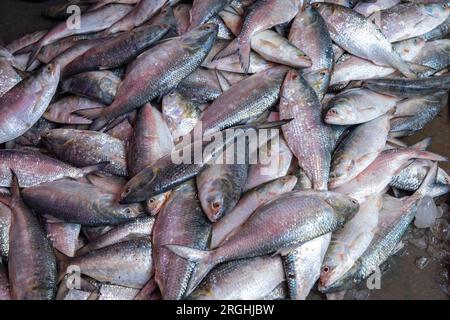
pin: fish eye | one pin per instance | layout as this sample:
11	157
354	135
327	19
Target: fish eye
322	73
152	200
326	269
216	205
316	5
128	211
354	201
333	111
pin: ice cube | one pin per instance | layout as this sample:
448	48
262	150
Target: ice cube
426	213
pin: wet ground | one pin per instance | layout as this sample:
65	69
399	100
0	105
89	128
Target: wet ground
403	280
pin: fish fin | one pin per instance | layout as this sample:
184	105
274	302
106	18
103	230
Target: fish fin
223	82
63	263
265	125
230	49
423	144
421	70
116	121
204	260
99	123
429	155
14	189
96	167
33	56
244	56
91	113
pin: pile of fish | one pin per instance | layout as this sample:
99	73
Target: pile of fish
92	205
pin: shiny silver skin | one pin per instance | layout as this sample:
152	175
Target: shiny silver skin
23	105
180	221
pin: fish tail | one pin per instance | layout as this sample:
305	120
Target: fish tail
204	259
34	53
423	144
63	264
229	50
99	123
91	113
244	55
96	167
428	155
15	189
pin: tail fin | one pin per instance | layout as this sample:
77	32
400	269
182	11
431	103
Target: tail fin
205	262
231	48
63	264
96	167
428	155
15	190
34	53
423	144
244	56
91	113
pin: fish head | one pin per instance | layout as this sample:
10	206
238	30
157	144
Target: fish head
148	32
141	187
287	183
326	10
200	37
341	111
345	282
344	206
217	196
50	73
55	139
129	211
341	171
438	10
155	203
336	263
319	81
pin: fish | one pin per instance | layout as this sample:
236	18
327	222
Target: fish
33	168
25	41
367	8
358	105
247	204
294	219
141	227
203	10
182	164
86	148
61	111
408	124
434	55
140	13
23	105
118	50
309	33
350	242
174	59
400	87
273	47
79	203
180	113
358	150
8	75
101	86
201	86
180	221
348	29
64	237
438	32
416	19
236	105
380	172
262	15
127	263
391	227
32	266
302	266
298	101
220	187
244	279
151	140
411	177
92	21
